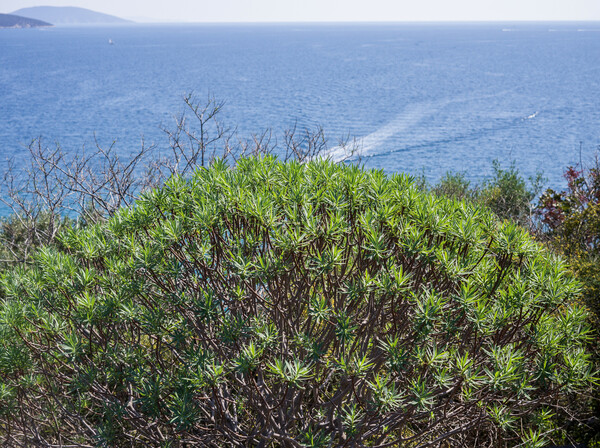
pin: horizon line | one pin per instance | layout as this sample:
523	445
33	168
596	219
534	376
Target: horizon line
138	21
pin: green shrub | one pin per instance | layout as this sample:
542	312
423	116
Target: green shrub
290	305
571	220
20	236
506	193
455	185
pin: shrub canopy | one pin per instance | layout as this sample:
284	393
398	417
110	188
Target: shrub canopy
572	221
290	305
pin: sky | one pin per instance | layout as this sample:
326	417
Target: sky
330	10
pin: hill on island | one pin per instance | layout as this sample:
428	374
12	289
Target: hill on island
70	15
14	21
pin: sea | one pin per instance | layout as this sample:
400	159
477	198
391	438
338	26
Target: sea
422	98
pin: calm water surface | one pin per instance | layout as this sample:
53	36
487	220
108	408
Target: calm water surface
420	98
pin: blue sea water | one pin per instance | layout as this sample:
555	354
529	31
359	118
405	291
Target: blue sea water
421	98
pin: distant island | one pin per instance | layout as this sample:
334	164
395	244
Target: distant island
15	21
69	15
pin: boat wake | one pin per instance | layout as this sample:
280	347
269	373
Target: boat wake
533	115
411	123
409	118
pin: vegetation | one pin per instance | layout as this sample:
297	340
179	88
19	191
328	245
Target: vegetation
291	304
572	220
506	193
55	189
569	223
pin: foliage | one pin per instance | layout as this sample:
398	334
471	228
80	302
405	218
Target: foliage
455	185
51	188
290	304
571	220
18	241
506	193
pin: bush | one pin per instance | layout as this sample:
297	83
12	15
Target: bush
455	185
51	187
506	193
571	220
21	235
290	305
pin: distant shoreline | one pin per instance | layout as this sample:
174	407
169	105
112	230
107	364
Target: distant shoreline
467	24
8	21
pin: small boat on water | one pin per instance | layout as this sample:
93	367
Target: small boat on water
110	42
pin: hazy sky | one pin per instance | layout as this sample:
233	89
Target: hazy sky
331	10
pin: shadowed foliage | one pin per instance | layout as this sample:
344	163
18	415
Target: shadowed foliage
506	192
290	304
571	224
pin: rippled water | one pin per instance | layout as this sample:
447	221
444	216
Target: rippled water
420	98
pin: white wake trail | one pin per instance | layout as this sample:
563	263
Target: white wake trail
408	119
404	123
